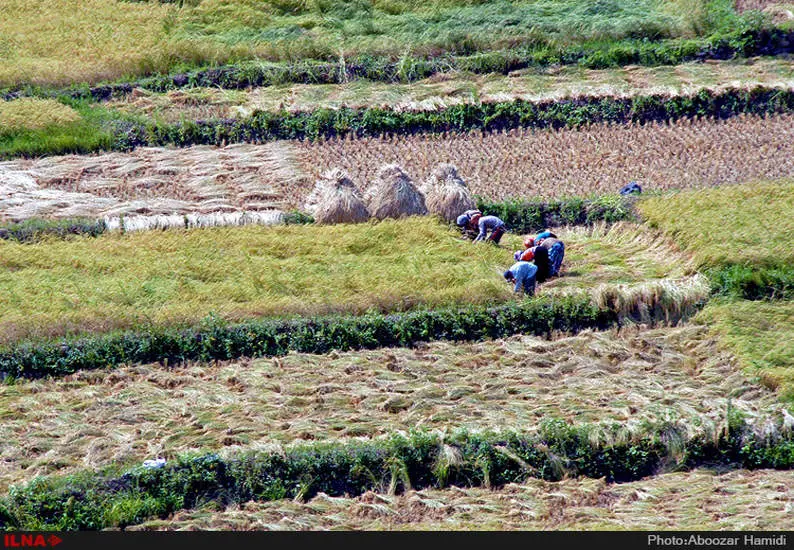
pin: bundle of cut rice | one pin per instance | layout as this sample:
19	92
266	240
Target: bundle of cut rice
336	199
446	194
394	195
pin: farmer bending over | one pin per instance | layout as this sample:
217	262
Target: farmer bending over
555	252
522	275
493	224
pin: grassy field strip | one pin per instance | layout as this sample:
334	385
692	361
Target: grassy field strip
760	229
548	163
702	499
756	241
151	181
442	90
64	41
94	419
600	158
57	287
760	334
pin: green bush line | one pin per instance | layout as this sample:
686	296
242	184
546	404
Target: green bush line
37	229
418	460
750	282
525	216
326	123
214	339
752	40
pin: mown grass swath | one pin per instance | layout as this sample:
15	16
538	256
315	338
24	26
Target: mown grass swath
129	413
761	334
748	500
446	89
735	44
741	236
419	460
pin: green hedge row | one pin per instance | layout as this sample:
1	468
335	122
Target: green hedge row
418	460
216	340
750	282
752	40
526	216
34	230
326	123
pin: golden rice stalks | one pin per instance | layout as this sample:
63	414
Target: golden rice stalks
394	194
670	299
30	113
446	193
336	199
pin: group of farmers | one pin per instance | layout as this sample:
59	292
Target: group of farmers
540	259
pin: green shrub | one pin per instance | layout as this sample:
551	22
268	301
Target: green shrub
215	339
558	449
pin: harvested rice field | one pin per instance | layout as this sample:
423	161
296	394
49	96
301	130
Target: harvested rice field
702	499
120	417
150	182
277	176
443	90
116	281
597	159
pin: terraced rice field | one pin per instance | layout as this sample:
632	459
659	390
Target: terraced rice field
597	159
125	281
443	90
279	176
118	417
150	182
699	500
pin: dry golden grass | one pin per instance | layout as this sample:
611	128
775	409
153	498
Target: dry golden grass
443	90
95	418
699	500
522	163
596	159
30	113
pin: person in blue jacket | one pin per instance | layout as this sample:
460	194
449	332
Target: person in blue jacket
522	275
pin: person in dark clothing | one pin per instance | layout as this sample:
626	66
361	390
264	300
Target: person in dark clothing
541	259
556	252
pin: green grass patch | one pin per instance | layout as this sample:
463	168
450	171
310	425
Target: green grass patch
761	334
48	43
746	225
184	275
